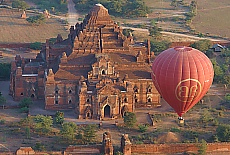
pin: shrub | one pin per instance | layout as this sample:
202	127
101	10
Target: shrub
5	71
39	147
59	117
2	121
143	128
36	20
25	102
80	19
20	4
24	110
36	45
223	133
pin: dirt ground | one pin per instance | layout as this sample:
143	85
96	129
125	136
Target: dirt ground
8	54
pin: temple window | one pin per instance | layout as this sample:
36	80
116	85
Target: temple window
103	72
125	100
136	100
70	101
21	94
70	91
149	99
56	101
56	92
87	100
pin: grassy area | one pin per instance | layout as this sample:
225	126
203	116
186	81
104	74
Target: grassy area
54	6
213	17
16	30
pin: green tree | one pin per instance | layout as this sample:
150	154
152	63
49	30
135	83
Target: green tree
159	46
206	117
43	124
153	22
116	7
27	130
59	117
223	132
143	128
174	3
39	147
155	32
25	102
36	45
5	69
20	4
89	133
130	119
218	72
2	100
135	8
202	147
227	97
68	131
202	45
36	20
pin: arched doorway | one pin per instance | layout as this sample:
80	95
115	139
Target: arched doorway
107	111
32	96
124	109
103	72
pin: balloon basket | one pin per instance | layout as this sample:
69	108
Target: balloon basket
181	121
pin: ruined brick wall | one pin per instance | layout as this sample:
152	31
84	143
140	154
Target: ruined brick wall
15	45
178	148
83	150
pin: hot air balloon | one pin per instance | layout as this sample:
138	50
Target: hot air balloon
182	75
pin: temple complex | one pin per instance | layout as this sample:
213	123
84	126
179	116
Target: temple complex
97	71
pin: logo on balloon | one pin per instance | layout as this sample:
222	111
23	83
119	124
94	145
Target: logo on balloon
187	90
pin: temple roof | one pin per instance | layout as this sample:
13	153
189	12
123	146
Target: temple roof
98	15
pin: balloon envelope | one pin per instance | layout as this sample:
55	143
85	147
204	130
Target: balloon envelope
182	75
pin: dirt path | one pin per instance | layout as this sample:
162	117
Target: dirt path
175	34
216	8
72	13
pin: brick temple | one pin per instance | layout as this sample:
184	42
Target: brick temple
97	71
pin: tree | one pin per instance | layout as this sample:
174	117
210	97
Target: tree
5	69
20	4
223	132
68	131
159	46
206	117
116	7
155	32
2	99
25	102
218	72
202	45
27	131
89	133
202	147
43	124
174	3
227	97
36	20
36	45
59	117
130	119
143	128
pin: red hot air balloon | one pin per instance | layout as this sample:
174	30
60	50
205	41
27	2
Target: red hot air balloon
182	75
